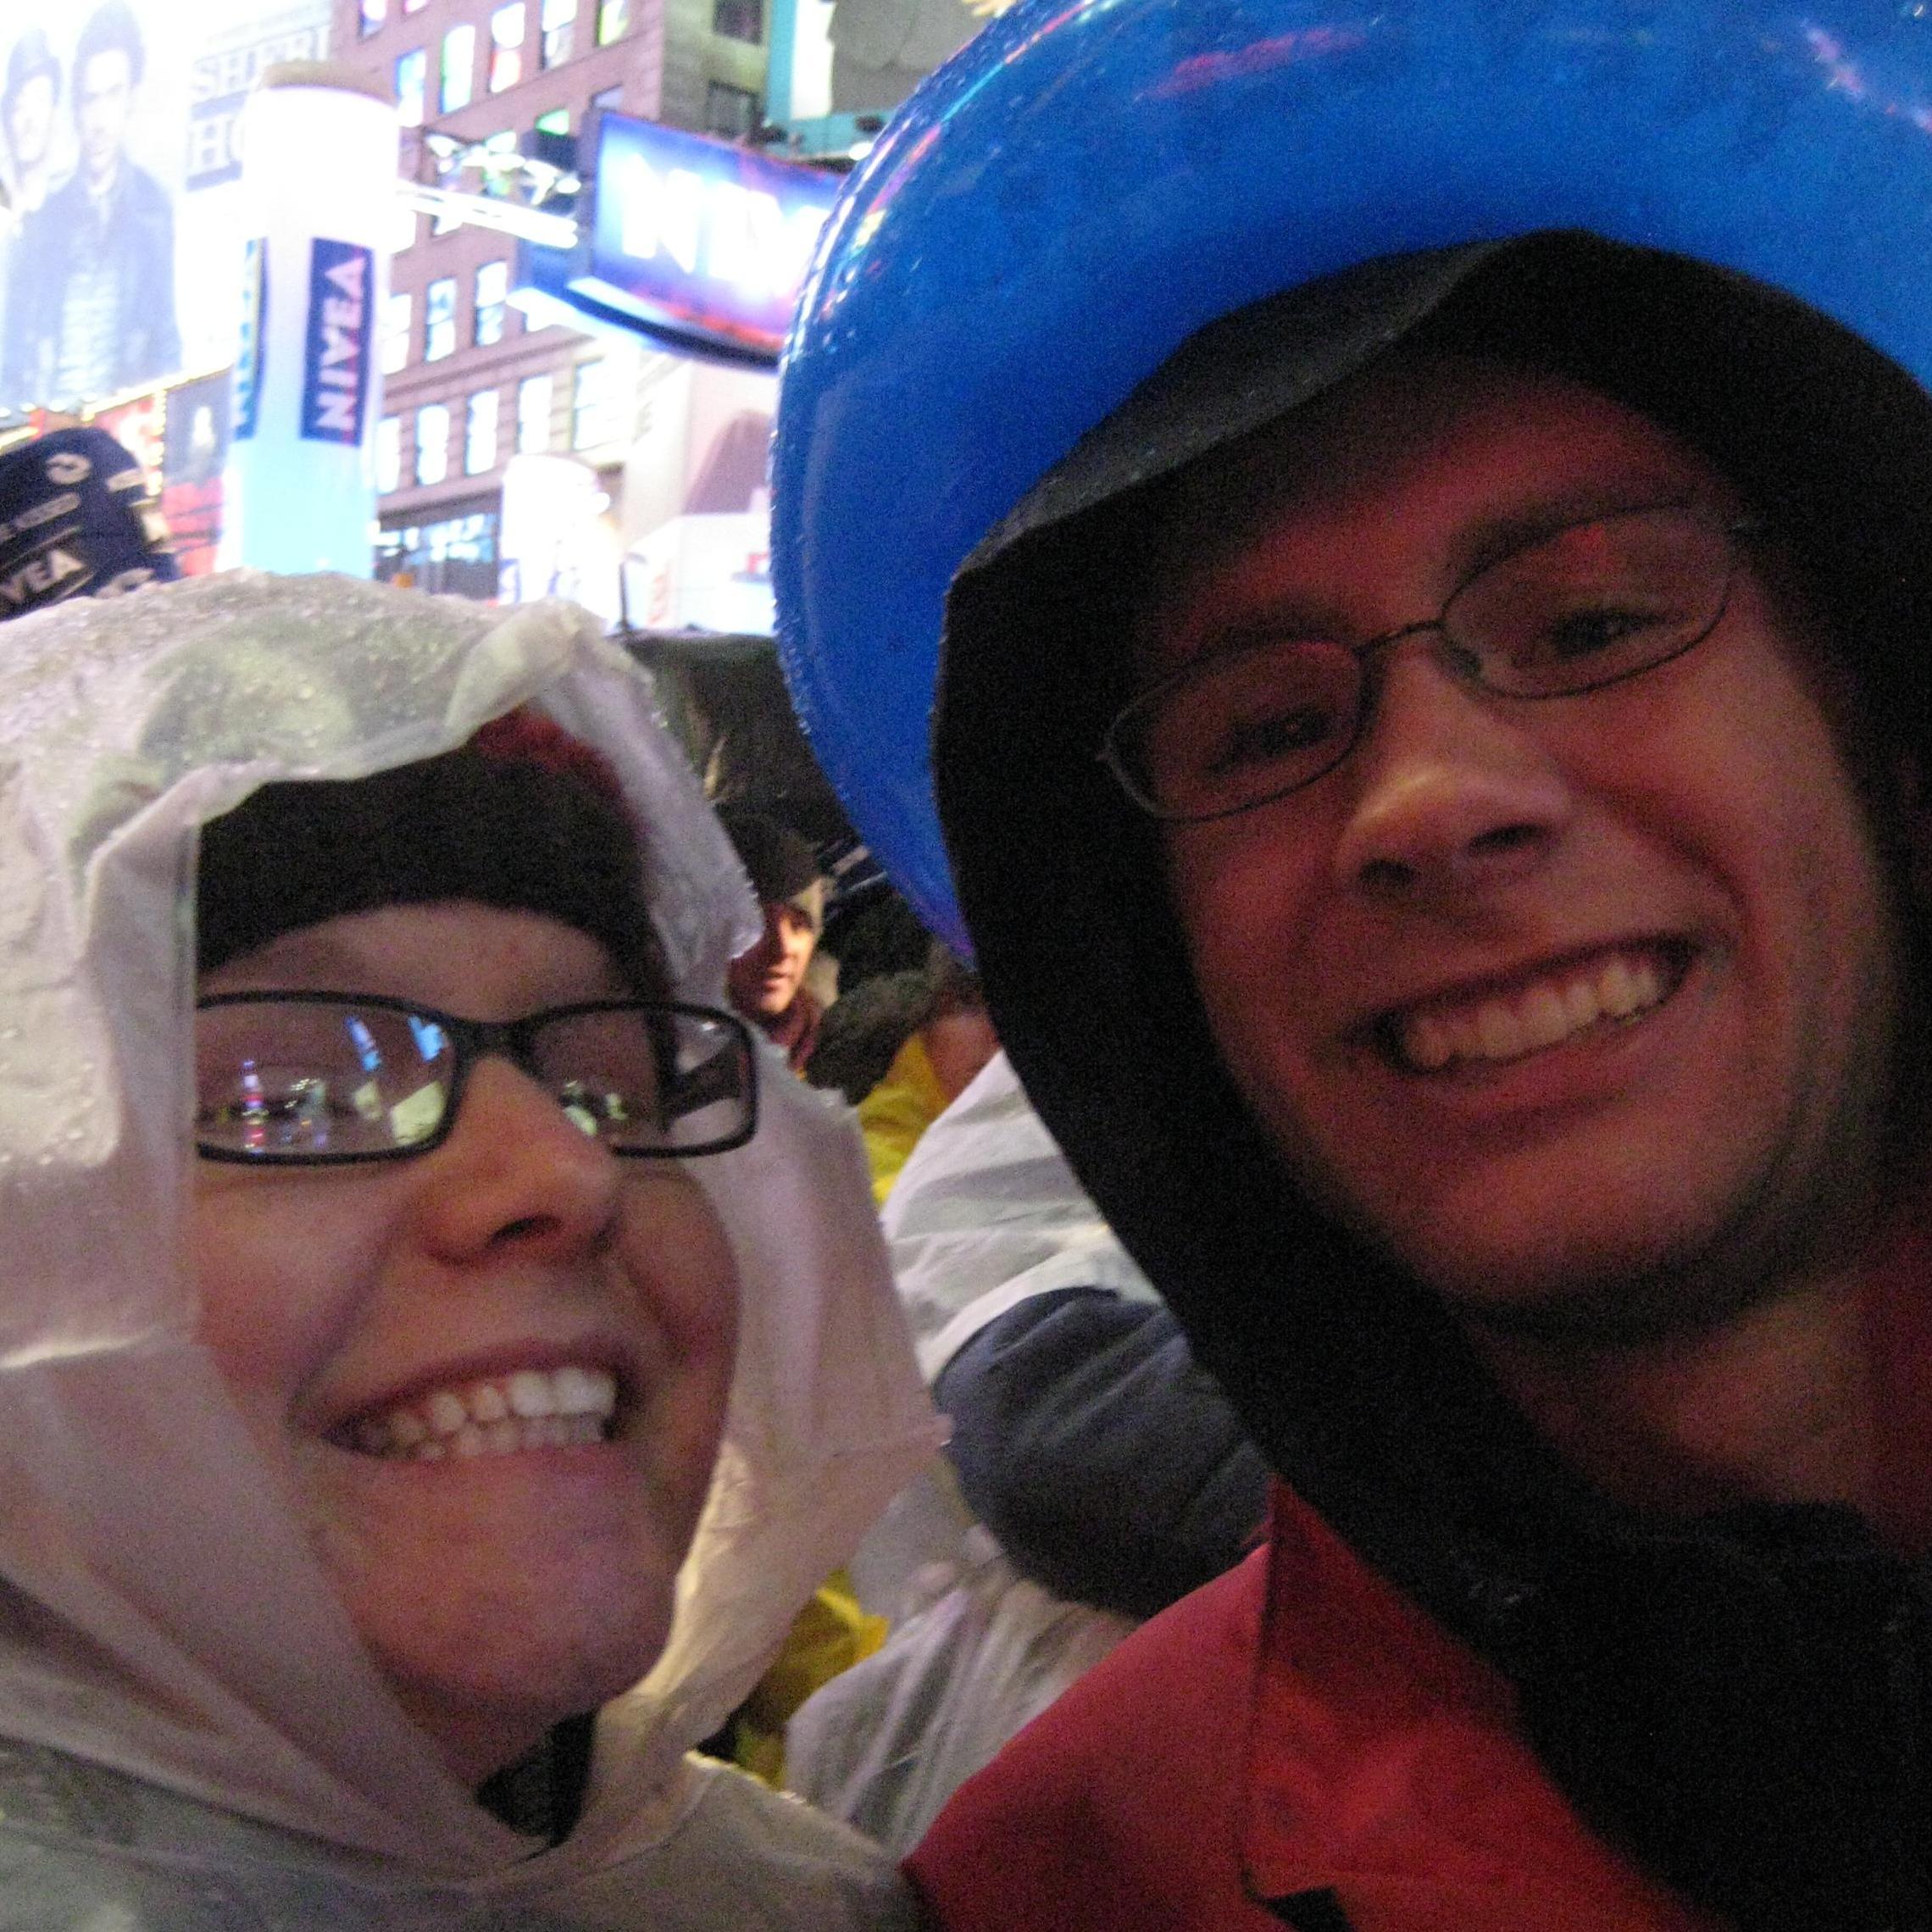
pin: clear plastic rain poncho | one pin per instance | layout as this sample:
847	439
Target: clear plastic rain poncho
164	1627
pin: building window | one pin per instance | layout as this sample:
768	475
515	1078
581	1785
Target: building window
729	111
432	442
374	13
593	411
415	6
492	303
506	46
533	414
439	318
479	433
458	555
556	121
394	353
613	21
389	454
412	76
738	20
608	98
458	68
558	24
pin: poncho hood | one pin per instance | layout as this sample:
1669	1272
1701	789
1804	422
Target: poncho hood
160	1613
1358	1389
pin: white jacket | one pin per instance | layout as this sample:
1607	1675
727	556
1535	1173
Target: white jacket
986	1214
191	1733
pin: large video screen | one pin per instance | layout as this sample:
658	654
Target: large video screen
704	242
120	251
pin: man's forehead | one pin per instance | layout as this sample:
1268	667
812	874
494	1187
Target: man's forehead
107	69
1483	455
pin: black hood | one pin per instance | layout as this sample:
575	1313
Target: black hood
1681	1704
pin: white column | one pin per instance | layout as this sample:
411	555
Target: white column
319	191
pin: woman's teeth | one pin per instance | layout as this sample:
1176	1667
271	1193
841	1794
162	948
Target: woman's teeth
1543	1013
533	1409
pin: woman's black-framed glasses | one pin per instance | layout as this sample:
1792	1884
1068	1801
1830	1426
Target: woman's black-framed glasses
315	1079
1576	609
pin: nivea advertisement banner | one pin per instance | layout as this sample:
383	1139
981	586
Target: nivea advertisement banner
299	493
120	159
249	337
335	354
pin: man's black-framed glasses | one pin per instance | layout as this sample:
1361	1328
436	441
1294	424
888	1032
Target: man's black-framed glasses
313	1079
1573	610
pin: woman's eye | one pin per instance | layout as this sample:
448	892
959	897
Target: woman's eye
300	1100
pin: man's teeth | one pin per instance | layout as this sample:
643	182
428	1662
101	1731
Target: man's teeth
1540	1015
533	1409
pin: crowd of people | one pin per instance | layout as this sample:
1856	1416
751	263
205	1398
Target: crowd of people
1362	1365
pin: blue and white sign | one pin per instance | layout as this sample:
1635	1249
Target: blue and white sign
700	244
336	355
249	347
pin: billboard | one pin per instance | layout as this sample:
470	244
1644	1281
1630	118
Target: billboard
696	514
194	449
701	243
120	243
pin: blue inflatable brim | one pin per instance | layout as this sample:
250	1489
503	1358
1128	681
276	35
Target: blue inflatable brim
1086	184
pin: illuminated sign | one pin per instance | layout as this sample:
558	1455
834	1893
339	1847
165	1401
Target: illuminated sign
249	349
335	371
123	216
696	241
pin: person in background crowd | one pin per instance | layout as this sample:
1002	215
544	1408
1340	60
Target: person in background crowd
1436	781
434	1370
902	1047
1099	1473
92	279
767	982
872	931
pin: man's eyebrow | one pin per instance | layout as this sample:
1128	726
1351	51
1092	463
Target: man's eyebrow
1493	538
1487	540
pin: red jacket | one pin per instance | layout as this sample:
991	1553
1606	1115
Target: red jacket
1295	1729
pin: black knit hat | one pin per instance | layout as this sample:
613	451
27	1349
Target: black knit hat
782	865
523	817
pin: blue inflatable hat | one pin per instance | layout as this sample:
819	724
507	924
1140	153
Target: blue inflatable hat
76	520
1089	182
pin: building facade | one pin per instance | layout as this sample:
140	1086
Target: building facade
469	380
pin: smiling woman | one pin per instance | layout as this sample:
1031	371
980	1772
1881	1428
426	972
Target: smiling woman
410	1461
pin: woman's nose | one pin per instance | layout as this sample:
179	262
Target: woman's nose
517	1169
1453	793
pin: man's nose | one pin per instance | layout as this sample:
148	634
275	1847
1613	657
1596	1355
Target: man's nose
1453	793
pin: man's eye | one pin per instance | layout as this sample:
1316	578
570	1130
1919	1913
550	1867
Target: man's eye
1278	734
1577	634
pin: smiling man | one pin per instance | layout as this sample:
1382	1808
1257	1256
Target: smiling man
1434	782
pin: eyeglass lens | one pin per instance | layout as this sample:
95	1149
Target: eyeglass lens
1587	606
300	1078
